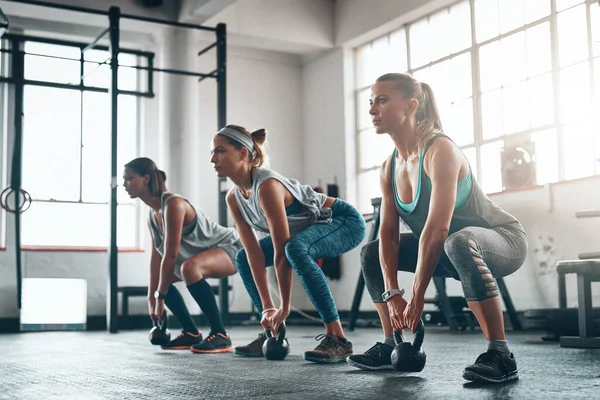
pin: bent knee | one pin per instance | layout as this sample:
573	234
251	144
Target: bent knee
369	255
191	270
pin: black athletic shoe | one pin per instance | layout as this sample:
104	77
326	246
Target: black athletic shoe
376	358
252	349
183	342
492	367
218	343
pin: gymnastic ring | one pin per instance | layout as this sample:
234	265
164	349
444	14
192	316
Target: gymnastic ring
24	204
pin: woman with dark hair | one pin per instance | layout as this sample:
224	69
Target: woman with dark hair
188	247
302	225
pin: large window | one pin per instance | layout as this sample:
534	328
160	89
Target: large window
503	72
66	149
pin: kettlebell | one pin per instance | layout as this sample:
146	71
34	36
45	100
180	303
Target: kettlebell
159	334
407	356
276	348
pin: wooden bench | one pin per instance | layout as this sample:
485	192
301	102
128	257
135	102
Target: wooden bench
587	271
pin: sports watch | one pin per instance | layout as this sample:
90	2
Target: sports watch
388	294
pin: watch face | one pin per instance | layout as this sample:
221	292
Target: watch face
156	294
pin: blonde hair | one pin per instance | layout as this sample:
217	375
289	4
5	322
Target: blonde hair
428	117
259	156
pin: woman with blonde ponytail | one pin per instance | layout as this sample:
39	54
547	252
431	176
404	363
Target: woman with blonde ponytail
188	247
456	229
302	226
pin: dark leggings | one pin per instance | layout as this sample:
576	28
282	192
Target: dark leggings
472	255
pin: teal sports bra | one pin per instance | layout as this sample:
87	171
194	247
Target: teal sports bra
463	190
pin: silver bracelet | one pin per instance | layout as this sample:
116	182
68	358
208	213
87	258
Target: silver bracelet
267	310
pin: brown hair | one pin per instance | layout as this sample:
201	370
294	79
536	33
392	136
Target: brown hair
259	156
427	114
144	166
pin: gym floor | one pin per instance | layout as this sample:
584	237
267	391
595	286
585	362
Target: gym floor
99	365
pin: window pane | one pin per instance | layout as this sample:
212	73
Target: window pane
539	58
471	155
459	33
572	36
368	188
575	93
376	61
97	144
595	18
68	224
50	69
486	20
398	52
448	90
514	58
490	66
127	76
419	43
98	75
491	173
460	85
51	143
362	108
564	4
96	147
515	107
491	110
127	139
546	156
578	147
541	101
512	15
536	9
374	148
457	120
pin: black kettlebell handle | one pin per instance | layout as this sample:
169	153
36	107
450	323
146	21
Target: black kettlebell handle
162	323
419	336
280	334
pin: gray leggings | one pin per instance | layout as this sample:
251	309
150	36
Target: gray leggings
473	255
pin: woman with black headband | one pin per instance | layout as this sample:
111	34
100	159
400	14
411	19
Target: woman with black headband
302	226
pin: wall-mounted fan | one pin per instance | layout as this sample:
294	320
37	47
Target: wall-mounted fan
518	164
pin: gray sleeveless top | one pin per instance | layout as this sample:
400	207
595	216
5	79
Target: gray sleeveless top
199	235
478	211
311	201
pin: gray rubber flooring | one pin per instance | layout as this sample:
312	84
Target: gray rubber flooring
98	365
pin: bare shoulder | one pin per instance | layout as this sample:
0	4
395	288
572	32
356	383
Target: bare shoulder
442	151
270	187
385	170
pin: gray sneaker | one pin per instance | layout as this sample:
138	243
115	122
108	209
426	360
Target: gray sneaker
254	348
330	350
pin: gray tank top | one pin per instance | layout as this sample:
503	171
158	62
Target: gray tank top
311	201
199	235
478	211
